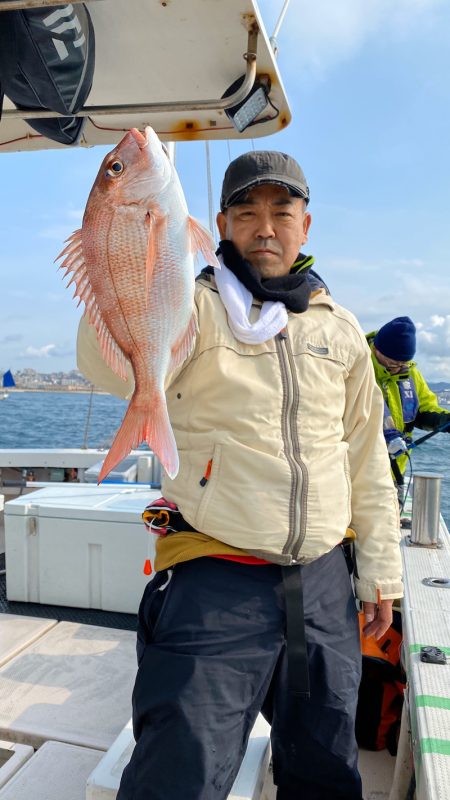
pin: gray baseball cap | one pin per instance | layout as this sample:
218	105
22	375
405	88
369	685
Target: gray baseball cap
259	167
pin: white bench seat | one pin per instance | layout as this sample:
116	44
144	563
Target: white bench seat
104	781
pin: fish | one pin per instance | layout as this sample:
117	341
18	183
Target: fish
132	264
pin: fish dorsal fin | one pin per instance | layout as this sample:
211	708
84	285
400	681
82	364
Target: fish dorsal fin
202	241
183	346
75	266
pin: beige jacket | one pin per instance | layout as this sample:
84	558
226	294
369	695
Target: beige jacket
293	428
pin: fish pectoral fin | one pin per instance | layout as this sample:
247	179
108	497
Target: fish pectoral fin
183	346
151	254
156	223
202	241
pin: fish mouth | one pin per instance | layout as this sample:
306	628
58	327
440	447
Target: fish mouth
140	139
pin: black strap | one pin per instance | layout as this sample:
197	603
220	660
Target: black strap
298	674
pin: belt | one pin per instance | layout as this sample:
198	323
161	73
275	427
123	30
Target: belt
297	655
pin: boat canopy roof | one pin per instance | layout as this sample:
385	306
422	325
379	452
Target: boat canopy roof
166	63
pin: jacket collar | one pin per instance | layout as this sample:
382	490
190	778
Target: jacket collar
318	296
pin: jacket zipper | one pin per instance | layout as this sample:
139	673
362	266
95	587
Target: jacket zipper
207	474
289	429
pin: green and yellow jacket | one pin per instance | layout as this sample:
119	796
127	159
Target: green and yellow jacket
408	403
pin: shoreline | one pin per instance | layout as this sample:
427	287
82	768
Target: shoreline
58	389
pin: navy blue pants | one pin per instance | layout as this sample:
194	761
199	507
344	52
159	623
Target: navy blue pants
212	654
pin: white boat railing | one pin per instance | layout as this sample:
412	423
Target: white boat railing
426	651
35	468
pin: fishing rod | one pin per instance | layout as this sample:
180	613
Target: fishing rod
423	438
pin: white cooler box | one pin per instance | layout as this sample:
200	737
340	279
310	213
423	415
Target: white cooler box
124	472
83	546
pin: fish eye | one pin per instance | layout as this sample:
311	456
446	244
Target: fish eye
115	168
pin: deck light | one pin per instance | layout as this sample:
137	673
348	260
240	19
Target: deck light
245	113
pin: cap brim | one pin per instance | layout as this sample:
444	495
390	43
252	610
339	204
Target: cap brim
240	193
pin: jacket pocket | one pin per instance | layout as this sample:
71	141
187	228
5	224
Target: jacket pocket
151	609
208	483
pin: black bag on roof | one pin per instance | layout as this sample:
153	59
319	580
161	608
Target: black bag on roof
47	62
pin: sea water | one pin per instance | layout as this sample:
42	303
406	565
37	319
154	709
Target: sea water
66	419
59	419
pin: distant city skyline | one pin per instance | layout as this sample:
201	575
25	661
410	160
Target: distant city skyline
75	374
29	377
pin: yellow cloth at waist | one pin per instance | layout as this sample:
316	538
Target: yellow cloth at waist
186	545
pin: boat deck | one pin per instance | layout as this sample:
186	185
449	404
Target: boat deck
55	652
52	654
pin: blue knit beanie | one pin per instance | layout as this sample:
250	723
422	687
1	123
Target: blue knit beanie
397	339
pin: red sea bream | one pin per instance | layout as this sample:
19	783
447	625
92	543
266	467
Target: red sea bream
132	263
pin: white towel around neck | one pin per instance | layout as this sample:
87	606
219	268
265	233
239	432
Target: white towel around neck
238	301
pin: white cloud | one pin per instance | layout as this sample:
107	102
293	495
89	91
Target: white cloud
49	351
59	232
356	266
38	352
433	347
435	368
433	330
433	336
76	214
327	32
426	337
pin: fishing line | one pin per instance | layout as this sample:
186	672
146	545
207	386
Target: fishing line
88	418
210	188
405	495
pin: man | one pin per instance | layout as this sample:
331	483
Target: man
277	419
408	401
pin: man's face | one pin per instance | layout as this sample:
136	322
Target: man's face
394	367
268	228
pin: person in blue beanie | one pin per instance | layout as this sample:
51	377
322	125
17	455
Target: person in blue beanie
408	401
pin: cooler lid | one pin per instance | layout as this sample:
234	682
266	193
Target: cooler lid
85	502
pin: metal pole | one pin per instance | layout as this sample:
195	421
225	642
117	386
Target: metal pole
273	38
210	191
426	509
171	151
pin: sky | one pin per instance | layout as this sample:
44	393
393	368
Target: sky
367	82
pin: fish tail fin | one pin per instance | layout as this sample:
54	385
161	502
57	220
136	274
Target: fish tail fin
144	423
